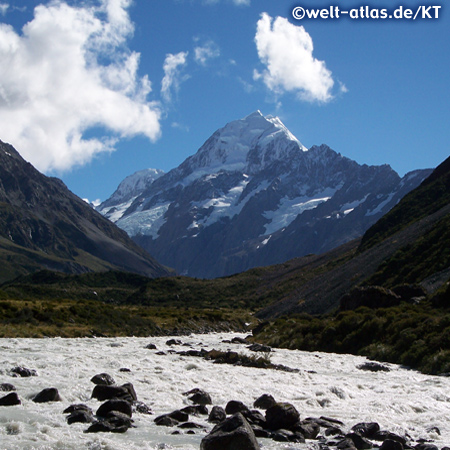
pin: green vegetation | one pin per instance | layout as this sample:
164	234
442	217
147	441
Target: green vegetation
418	260
415	335
69	318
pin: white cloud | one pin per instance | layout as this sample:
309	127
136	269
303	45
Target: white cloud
180	126
68	72
3	8
209	50
173	66
287	52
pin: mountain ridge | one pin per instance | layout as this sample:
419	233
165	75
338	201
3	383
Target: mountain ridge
253	195
44	225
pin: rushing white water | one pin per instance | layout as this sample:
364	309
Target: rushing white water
401	401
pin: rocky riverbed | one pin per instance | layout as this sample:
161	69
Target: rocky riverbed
162	393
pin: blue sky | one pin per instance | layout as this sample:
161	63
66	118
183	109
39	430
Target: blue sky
92	91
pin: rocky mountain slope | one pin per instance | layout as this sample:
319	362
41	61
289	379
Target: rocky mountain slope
44	225
409	245
251	196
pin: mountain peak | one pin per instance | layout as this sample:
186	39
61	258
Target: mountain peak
231	147
254	195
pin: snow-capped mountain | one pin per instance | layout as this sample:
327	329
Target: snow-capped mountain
130	188
254	195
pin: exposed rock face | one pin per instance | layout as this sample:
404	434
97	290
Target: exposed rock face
45	226
254	195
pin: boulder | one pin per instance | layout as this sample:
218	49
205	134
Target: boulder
233	434
142	408
389	444
171	342
10	400
282	416
366	429
235	406
78	407
80	416
426	446
238	340
255	418
166	421
264	402
373	367
191	426
261	432
151	347
346	444
199	397
178	415
195	410
7	387
104	379
130	388
331	431
23	372
259	348
308	429
114	423
47	395
383	435
287	436
360	442
324	421
115	405
104	392
217	415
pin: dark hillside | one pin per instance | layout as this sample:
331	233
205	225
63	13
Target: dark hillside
44	225
432	195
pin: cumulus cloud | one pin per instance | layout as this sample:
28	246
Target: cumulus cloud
3	8
286	51
202	53
173	66
69	72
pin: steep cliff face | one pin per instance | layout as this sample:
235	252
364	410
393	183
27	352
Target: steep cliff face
254	195
44	225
